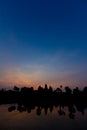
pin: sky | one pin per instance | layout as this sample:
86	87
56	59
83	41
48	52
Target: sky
43	41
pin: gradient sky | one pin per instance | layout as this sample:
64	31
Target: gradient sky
43	41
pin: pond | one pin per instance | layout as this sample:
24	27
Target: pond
13	118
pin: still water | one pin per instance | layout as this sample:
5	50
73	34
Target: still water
44	120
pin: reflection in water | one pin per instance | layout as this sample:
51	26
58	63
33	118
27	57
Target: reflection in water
25	117
61	109
43	109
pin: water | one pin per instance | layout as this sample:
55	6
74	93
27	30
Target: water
44	119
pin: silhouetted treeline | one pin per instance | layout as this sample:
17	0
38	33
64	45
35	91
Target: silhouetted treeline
45	98
42	95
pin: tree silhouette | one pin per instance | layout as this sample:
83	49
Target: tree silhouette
16	89
58	90
68	90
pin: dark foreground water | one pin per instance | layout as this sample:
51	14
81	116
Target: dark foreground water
50	119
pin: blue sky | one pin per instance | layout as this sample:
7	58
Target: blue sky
43	42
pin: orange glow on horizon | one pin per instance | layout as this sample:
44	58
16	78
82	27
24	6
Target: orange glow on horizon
16	76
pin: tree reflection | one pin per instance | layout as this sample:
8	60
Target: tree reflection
45	98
